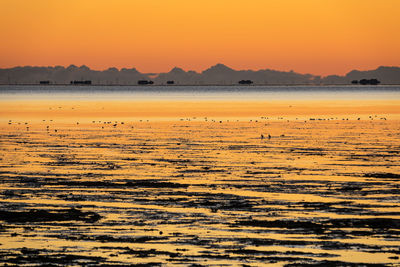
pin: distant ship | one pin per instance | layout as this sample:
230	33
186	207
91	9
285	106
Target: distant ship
144	82
87	82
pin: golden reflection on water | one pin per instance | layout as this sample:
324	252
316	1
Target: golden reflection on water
194	185
162	110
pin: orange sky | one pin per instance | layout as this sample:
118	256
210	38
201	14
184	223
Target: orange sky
307	36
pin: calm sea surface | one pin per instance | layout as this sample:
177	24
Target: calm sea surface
24	92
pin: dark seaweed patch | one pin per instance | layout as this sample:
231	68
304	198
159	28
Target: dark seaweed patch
110	239
138	183
315	227
150	253
383	175
46	258
48	216
155	184
326	263
376	225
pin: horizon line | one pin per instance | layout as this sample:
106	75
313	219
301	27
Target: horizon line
177	67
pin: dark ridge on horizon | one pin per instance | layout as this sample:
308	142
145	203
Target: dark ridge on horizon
218	74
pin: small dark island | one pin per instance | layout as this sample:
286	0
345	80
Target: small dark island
245	82
366	82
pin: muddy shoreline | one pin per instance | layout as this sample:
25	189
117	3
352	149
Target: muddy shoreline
200	193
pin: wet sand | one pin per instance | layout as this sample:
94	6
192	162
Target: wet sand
119	183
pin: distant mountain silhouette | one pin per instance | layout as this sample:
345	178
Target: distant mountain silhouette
386	75
218	74
61	75
179	76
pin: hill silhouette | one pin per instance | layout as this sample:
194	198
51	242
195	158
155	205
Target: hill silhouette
61	75
218	74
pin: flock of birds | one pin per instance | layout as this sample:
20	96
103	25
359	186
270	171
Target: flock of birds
262	136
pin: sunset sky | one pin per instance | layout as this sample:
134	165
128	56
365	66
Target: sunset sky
307	36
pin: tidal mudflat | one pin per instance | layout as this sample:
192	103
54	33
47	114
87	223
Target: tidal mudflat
199	191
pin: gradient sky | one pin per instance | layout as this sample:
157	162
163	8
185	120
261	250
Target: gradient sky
307	36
